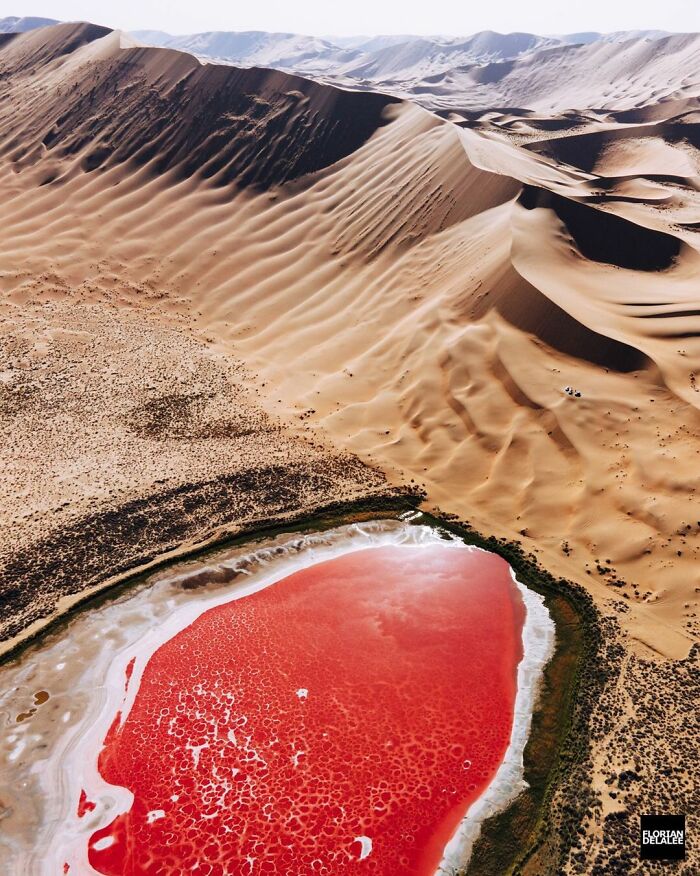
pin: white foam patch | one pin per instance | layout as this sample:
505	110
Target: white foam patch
365	846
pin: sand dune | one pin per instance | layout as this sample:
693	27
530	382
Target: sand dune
664	150
180	115
397	61
433	289
497	308
630	74
621	77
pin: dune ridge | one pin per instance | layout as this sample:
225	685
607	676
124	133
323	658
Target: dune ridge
488	307
386	274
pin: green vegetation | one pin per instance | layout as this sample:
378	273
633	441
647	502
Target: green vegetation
532	836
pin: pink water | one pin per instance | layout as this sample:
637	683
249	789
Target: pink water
339	721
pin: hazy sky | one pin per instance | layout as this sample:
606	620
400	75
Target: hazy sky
371	16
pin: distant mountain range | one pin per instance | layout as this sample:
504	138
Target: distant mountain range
13	24
458	74
287	51
378	58
371	57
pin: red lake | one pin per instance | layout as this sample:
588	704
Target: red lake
341	720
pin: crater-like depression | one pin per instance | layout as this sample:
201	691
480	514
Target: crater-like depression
356	700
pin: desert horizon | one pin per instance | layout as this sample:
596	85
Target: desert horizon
258	288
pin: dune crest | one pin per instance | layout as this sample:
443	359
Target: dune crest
239	292
434	289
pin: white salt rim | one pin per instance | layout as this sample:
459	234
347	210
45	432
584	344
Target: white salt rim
72	764
538	646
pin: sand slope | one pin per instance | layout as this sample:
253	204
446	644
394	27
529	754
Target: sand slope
617	76
426	290
501	311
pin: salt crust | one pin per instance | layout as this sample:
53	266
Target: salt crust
150	616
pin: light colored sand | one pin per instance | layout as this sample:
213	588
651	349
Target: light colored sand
397	303
399	296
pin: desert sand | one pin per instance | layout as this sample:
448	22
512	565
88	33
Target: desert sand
208	270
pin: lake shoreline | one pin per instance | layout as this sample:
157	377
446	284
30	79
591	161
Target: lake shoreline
543	762
534	834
